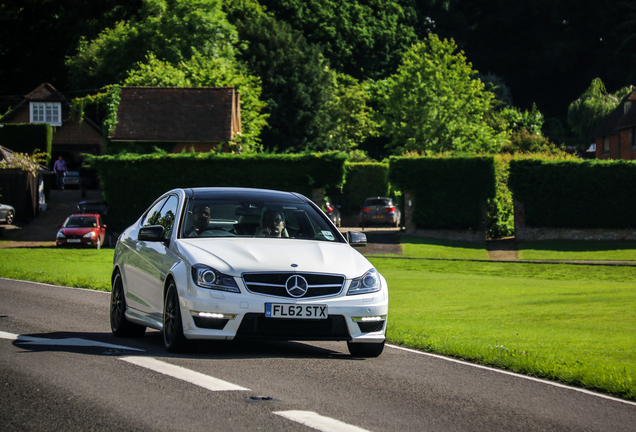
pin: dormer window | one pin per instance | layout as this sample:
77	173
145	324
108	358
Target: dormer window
46	112
628	106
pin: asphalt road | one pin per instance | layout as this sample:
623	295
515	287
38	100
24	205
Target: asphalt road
61	369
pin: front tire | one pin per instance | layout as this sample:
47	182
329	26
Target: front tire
173	337
119	324
365	349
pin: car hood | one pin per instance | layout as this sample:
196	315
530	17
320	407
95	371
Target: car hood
236	256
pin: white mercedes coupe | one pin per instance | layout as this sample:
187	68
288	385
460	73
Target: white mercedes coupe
229	263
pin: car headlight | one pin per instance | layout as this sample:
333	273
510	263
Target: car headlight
368	283
60	235
90	234
207	277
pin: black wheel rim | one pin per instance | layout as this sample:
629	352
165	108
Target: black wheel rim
170	319
116	304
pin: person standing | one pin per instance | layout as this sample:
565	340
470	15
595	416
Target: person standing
60	170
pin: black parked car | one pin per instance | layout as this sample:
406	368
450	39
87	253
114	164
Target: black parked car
379	211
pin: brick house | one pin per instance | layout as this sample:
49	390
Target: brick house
179	118
70	136
615	138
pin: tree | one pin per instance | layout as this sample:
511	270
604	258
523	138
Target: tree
352	117
434	105
362	38
297	82
200	71
37	35
170	29
587	112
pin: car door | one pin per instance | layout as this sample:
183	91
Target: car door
146	274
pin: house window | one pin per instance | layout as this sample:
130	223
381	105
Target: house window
632	139
627	107
46	112
606	145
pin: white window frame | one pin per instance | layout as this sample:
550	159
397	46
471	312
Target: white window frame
46	112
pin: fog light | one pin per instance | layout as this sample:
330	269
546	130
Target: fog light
369	319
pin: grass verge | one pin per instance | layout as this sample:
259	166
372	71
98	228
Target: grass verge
419	247
81	268
573	324
578	250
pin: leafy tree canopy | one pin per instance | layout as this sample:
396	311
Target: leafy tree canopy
170	29
297	82
434	105
588	112
362	38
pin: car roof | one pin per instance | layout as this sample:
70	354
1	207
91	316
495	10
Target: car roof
244	193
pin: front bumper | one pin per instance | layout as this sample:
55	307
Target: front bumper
211	314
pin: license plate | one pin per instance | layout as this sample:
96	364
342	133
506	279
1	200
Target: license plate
286	310
74	241
72	181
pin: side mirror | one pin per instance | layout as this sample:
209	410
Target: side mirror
356	239
153	233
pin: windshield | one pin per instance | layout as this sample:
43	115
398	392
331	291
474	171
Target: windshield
81	222
234	218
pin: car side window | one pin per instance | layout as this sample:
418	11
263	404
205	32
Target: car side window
168	214
163	213
154	214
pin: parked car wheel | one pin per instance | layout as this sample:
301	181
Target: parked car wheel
119	324
173	337
365	349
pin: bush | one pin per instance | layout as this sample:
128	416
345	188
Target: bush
449	192
132	182
575	193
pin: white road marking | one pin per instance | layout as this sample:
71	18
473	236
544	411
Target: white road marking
318	422
196	378
505	372
69	342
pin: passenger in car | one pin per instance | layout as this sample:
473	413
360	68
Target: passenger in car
273	224
200	220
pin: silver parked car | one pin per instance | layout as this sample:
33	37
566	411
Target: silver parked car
7	214
226	263
379	211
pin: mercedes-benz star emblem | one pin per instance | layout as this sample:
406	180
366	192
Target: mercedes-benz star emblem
296	286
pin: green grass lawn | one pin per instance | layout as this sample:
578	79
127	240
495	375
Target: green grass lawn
81	268
418	247
578	250
575	324
571	323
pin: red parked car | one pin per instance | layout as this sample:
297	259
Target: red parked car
82	230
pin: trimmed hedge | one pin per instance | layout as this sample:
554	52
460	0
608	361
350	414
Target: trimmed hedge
575	194
132	182
449	193
363	179
27	138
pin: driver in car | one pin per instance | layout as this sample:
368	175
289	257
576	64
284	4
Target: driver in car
200	220
273	224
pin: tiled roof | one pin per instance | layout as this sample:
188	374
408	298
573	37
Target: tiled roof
618	119
177	114
46	92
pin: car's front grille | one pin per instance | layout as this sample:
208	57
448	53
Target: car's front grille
257	325
273	284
